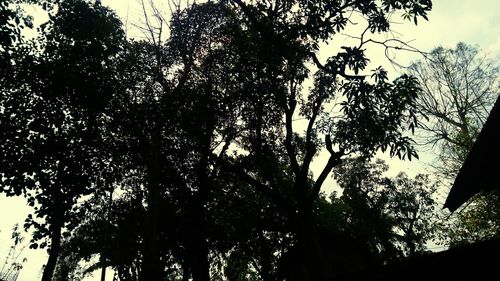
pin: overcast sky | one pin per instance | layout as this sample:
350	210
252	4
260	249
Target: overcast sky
451	21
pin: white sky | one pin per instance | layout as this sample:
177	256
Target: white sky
451	21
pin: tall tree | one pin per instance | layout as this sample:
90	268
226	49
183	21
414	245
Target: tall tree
178	107
264	51
411	205
372	113
52	150
396	215
460	86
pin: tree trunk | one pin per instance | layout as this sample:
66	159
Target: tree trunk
151	268
55	249
198	252
200	263
103	273
64	271
186	275
265	261
107	240
316	268
201	266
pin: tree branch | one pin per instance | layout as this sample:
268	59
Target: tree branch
334	160
290	149
244	176
310	146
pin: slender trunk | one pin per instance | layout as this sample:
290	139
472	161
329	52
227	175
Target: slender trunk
64	271
265	261
412	248
103	272
150	268
103	265
410	242
198	252
201	266
55	249
106	235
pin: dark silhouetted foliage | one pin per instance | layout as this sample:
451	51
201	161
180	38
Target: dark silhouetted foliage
191	158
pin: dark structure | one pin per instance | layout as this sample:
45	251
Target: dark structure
470	262
481	169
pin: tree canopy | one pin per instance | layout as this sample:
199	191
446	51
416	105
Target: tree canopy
460	86
191	157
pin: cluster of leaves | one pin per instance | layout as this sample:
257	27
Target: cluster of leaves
12	21
396	215
476	221
14	260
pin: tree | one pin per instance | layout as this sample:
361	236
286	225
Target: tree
477	221
411	205
396	215
52	151
185	108
372	114
264	50
460	87
250	232
13	262
224	80
111	232
12	21
212	108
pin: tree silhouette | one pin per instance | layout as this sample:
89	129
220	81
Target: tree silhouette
460	86
207	138
395	215
51	149
370	115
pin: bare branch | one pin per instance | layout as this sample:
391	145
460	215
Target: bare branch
334	160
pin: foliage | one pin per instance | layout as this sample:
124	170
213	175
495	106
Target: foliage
12	21
396	215
112	232
198	135
460	86
476	221
51	149
249	227
13	263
